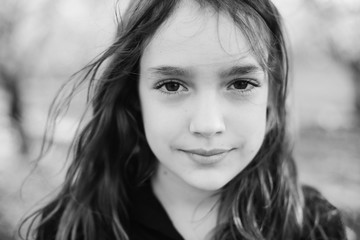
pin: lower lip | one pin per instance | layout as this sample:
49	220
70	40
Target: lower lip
206	160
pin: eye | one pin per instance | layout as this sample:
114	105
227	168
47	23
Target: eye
243	85
170	87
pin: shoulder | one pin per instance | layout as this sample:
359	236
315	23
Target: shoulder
322	221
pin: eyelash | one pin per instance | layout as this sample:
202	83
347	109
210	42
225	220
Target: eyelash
163	83
248	82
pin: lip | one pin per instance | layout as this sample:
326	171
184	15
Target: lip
206	153
205	157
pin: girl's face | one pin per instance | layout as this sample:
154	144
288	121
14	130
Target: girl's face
203	98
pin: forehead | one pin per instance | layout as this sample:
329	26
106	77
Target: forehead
198	36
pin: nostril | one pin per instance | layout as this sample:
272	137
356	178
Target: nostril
206	134
207	116
207	128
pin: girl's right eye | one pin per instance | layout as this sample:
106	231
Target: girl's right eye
170	87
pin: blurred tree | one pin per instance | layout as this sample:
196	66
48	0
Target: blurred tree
4	230
18	60
340	21
10	67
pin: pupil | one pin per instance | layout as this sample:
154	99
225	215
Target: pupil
172	86
240	85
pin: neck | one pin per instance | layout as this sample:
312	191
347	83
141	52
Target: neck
192	211
173	190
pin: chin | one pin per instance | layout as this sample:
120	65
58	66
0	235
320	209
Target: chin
210	184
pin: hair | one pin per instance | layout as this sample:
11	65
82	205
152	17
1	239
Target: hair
111	154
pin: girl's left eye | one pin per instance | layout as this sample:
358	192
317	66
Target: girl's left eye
243	85
170	87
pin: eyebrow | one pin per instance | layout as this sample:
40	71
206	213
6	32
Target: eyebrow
233	71
170	71
241	70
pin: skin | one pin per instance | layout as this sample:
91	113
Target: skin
203	98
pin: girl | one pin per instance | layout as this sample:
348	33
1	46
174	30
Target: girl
188	138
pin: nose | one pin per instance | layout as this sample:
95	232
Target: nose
207	118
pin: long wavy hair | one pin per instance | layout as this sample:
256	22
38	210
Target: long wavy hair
111	154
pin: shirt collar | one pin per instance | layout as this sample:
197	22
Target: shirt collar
147	211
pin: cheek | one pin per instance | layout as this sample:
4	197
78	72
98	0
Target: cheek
162	124
249	126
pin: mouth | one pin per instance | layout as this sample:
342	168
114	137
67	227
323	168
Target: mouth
206	157
206	153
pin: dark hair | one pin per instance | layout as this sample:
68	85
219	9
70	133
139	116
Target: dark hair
107	151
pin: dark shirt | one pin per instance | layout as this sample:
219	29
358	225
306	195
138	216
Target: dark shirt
149	220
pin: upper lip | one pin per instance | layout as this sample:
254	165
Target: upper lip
206	153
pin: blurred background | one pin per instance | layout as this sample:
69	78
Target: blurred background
43	42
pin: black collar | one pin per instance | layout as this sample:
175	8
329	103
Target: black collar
148	217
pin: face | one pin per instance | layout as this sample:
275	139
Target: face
203	99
